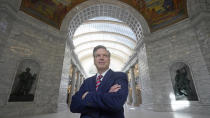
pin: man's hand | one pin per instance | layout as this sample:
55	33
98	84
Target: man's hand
115	88
83	96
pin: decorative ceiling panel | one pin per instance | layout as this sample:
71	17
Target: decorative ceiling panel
51	12
160	13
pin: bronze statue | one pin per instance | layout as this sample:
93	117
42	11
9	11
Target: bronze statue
26	82
182	83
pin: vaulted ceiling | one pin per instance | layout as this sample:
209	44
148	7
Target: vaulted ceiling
119	39
115	34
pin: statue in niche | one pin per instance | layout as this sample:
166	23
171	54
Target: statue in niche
22	87
25	83
182	83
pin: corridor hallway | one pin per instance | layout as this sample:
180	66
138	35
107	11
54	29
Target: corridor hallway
130	112
162	45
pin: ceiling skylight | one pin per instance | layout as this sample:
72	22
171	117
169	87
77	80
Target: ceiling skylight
119	39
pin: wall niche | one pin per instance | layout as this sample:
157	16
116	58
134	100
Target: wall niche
25	81
182	81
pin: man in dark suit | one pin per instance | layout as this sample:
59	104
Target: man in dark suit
102	95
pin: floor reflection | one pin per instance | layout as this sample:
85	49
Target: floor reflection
130	112
178	105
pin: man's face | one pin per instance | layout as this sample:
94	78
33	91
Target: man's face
101	60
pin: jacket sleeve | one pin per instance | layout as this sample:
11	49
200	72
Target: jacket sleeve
77	104
109	101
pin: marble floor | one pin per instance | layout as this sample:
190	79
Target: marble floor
130	112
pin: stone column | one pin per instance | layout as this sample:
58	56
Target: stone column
78	81
129	100
73	81
81	79
133	86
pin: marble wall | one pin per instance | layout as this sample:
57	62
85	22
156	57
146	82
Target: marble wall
145	80
203	34
23	37
188	42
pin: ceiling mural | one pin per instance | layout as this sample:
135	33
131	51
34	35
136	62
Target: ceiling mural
158	13
51	12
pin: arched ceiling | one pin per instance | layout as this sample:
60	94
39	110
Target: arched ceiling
111	32
157	13
119	39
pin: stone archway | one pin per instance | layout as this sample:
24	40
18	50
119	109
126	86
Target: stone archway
114	9
109	8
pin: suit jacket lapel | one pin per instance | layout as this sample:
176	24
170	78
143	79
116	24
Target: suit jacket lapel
93	83
105	79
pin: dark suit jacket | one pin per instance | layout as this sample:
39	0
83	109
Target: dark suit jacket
101	104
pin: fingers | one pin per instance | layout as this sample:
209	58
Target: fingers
83	96
115	88
116	85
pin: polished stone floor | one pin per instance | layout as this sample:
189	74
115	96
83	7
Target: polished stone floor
130	112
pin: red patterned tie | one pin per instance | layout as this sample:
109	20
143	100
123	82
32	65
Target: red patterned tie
98	81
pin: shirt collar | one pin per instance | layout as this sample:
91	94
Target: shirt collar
103	74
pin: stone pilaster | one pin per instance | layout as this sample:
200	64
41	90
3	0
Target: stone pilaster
73	81
77	82
133	86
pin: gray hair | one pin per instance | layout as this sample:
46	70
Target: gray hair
99	47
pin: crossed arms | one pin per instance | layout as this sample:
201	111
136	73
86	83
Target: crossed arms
90	101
